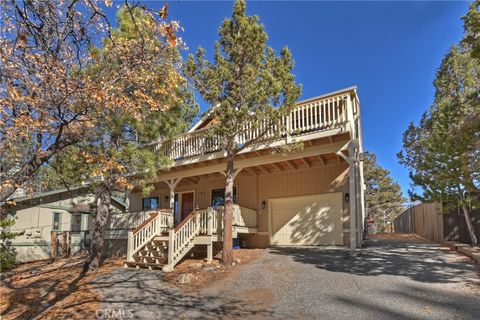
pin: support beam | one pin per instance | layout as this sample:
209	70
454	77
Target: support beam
263	169
235	172
352	174
278	166
172	184
292	165
256	161
307	163
249	170
321	160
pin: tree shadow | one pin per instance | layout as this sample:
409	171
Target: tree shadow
424	303
315	223
41	294
148	297
417	260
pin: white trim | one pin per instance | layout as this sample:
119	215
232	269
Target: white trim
180	200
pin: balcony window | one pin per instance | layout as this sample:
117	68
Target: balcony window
218	196
150	203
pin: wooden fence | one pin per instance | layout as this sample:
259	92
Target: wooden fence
430	221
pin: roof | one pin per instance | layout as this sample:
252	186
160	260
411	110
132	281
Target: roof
45	194
36	199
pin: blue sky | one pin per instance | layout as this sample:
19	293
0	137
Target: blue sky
390	50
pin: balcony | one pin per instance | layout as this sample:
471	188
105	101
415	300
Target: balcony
321	114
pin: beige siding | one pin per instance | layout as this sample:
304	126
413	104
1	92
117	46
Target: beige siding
246	192
332	178
37	224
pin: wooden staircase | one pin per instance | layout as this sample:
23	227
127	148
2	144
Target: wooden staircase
153	255
155	244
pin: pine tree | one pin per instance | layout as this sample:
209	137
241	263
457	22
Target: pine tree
472	28
245	84
442	152
382	192
7	254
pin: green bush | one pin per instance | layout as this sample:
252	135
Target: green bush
7	259
7	254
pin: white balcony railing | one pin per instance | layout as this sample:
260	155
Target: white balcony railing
311	116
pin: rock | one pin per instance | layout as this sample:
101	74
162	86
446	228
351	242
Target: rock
45	305
209	269
197	265
237	261
185	278
234	263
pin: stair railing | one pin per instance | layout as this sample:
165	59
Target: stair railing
158	222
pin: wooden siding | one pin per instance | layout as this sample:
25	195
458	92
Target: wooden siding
252	190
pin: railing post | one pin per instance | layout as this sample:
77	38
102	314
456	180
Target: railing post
210	221
171	250
130	245
288	127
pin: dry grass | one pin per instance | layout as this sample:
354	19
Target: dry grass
58	290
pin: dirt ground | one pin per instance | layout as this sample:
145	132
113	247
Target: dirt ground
61	290
45	290
205	274
395	235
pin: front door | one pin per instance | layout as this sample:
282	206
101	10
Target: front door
187	204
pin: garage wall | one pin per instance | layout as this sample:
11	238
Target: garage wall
332	178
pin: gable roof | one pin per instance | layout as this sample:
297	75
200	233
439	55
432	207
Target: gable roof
46	197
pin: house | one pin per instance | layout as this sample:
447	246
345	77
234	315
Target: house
311	196
65	210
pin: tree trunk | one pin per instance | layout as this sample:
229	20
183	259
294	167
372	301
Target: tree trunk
103	209
471	230
227	252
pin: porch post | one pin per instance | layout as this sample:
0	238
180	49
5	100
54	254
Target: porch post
171	244
130	245
172	184
210	251
352	174
353	197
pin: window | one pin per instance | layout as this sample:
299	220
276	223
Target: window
150	203
56	221
218	196
76	222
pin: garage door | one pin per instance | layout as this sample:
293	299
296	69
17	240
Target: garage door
307	220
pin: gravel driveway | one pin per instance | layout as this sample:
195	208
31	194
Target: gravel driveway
390	279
